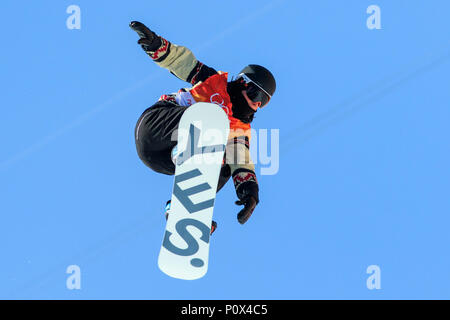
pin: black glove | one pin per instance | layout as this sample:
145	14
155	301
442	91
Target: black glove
149	40
250	204
248	196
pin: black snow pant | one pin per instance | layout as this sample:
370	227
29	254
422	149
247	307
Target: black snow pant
155	136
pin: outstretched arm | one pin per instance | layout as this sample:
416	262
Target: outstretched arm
244	177
179	60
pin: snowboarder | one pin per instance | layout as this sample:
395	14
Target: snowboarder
240	98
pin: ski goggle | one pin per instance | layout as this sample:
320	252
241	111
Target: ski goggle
255	92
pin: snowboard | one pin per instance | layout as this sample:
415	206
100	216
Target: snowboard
202	136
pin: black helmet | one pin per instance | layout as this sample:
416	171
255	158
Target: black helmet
261	83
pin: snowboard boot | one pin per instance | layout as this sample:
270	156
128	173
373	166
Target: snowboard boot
167	211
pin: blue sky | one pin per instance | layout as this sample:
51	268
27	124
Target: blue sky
364	150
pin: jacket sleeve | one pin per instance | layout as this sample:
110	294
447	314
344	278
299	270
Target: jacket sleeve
181	62
241	165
